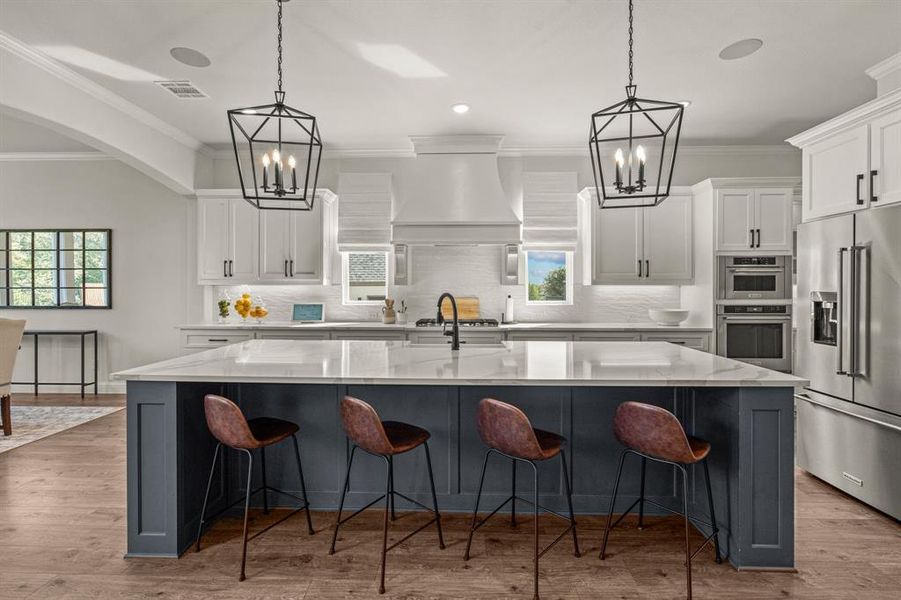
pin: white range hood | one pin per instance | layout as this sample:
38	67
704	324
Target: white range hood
455	196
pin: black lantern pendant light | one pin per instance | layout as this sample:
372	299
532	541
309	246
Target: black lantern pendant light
633	147
279	151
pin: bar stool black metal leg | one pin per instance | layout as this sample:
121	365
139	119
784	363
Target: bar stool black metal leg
82	365
513	494
265	490
687	528
246	511
716	529
644	463
95	363
475	511
428	460
385	530
206	496
535	513
303	485
569	501
391	486
619	472
344	489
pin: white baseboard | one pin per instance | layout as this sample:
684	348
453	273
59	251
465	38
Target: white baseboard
104	387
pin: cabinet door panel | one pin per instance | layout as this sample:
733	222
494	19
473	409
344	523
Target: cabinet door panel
773	218
245	240
831	174
668	245
735	219
212	238
885	158
617	245
600	336
275	244
306	244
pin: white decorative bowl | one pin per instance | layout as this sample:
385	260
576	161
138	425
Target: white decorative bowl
667	316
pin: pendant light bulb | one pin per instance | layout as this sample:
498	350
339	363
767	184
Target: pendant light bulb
265	161
276	157
292	162
618	157
640	153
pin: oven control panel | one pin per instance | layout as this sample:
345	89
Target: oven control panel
755	309
755	261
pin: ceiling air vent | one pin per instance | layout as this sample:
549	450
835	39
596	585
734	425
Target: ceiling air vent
182	89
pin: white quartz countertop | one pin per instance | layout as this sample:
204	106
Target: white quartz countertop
374	325
512	363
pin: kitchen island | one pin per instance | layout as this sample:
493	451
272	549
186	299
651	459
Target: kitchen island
746	413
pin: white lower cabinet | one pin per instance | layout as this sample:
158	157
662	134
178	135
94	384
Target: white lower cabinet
468	337
539	336
196	340
603	336
293	335
700	341
397	335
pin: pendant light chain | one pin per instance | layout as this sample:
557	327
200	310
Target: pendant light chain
279	45
630	41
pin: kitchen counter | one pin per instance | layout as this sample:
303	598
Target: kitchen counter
574	388
377	326
509	363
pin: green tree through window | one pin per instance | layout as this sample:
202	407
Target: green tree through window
547	276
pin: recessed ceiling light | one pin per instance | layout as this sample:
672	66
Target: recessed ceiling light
460	108
190	57
741	49
685	103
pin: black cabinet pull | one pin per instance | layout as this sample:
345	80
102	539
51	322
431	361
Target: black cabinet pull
873	196
857	188
225	268
639	267
647	268
751	233
231	272
292	267
758	238
216	340
286	268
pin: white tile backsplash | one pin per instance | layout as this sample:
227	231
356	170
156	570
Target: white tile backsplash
471	271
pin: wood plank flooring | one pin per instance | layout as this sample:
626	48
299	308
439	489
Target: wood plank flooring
62	535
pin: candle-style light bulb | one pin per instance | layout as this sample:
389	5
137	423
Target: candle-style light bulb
620	161
265	160
277	162
293	164
642	158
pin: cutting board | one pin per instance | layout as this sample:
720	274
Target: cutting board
467	308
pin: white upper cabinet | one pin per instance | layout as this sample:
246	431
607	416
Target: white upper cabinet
835	174
237	243
667	241
651	245
852	162
753	220
773	219
885	159
291	245
734	220
617	251
228	240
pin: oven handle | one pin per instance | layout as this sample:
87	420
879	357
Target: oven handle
754	319
757	270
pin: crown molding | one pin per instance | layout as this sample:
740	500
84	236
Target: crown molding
855	116
22	50
747	182
53	156
885	67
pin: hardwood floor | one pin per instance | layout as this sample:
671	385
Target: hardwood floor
62	535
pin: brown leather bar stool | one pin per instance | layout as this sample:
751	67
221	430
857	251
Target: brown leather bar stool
385	439
231	429
654	433
506	431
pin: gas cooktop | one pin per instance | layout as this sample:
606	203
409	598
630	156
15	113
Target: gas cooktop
461	322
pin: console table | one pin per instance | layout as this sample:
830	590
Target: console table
83	334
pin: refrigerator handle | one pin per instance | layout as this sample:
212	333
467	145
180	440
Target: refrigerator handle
839	338
857	300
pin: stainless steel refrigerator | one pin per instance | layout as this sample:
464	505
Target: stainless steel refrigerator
848	312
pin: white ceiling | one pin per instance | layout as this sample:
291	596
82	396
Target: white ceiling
531	70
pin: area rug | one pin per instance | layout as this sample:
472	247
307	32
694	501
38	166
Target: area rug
32	423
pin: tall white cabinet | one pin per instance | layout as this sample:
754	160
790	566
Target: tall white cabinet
652	245
852	162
